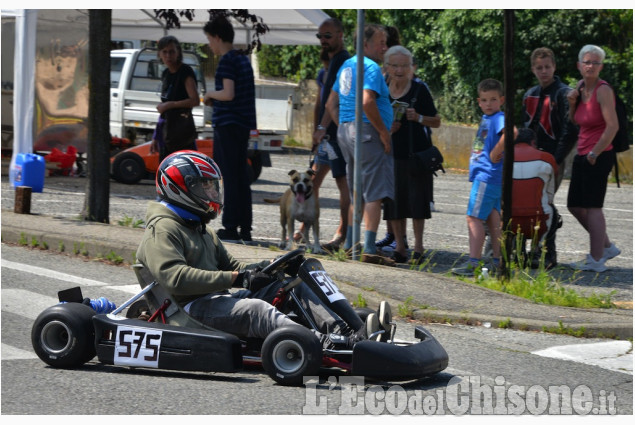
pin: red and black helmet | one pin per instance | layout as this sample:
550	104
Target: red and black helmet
191	180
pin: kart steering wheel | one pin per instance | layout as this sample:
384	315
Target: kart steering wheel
281	262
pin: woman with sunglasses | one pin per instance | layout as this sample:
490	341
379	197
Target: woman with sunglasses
592	107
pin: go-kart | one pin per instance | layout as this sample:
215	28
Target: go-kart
71	333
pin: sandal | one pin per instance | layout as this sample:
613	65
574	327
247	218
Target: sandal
417	258
398	258
335	244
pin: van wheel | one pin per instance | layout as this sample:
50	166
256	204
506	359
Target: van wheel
128	168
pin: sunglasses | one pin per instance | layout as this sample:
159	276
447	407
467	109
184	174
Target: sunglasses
326	36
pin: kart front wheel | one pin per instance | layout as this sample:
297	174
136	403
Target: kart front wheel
290	353
63	336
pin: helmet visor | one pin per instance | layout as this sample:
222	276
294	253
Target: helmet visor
208	190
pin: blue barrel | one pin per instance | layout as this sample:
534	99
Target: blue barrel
29	170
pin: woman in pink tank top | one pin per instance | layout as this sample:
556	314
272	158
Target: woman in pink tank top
592	107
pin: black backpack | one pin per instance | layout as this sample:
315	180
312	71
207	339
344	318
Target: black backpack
624	137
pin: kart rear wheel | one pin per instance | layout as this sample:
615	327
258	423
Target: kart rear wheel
290	353
63	336
136	308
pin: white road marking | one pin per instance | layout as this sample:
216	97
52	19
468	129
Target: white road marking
12	353
25	303
41	271
612	355
128	289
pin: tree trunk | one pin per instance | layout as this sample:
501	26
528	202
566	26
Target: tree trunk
508	164
96	203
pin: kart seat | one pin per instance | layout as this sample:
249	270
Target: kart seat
174	313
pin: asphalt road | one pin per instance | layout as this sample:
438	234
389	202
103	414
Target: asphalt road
483	361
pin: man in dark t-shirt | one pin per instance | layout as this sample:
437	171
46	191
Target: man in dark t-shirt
330	34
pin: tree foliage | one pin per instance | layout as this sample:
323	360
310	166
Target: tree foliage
172	18
303	62
455	49
468	47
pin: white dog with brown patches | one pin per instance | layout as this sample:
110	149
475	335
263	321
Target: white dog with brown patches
299	203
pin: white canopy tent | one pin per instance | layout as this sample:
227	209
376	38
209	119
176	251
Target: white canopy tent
286	26
23	83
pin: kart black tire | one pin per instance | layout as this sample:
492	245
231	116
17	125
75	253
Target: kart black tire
363	312
136	308
63	336
290	353
128	168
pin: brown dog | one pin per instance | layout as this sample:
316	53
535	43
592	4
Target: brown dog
299	203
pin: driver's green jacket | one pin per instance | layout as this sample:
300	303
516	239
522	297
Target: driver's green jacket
186	258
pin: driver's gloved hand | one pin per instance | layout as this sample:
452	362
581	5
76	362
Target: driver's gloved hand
293	266
255	281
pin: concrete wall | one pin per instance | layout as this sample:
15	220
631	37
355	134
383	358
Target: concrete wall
304	97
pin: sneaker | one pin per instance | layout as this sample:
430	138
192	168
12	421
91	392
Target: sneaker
245	235
228	235
610	252
386	241
589	265
385	320
466	269
378	259
393	244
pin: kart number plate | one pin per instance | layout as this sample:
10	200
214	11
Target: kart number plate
327	285
137	346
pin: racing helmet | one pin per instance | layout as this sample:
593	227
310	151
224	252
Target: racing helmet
191	180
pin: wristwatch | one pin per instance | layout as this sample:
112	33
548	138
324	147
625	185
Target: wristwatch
592	155
420	119
321	127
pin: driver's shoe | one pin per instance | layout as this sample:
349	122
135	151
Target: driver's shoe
370	330
384	312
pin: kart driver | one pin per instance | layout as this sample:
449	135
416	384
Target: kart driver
191	263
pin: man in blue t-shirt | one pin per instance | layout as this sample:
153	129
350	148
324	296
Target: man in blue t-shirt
376	156
486	177
234	101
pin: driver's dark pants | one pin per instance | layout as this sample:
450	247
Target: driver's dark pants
251	315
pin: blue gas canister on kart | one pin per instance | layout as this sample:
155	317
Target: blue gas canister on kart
102	305
28	170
